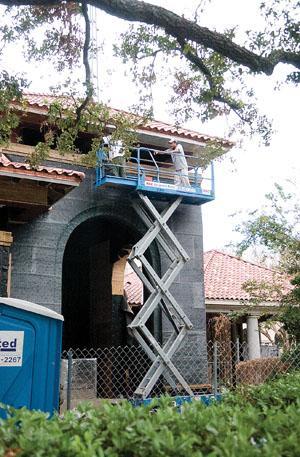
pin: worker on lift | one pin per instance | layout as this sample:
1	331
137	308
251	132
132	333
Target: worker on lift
176	151
116	163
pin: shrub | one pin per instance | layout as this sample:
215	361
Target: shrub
242	425
257	371
278	393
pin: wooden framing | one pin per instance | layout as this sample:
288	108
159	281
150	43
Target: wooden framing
21	192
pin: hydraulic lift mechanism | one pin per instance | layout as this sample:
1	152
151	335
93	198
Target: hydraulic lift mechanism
160	295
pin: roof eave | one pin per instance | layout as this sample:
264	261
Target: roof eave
188	137
227	306
39	176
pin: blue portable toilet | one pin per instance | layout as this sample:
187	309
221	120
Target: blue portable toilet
30	353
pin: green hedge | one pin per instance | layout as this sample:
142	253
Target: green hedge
260	421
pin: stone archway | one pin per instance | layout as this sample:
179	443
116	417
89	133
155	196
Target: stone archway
94	316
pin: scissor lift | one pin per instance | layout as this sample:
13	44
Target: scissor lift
138	174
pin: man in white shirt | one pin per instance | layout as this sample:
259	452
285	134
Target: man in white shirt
181	177
116	167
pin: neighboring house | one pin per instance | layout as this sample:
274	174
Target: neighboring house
224	278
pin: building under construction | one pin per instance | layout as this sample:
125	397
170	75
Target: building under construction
68	232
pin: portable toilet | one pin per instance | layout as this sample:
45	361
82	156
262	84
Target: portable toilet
30	353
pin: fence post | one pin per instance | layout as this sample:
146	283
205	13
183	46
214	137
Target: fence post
215	368
237	350
69	379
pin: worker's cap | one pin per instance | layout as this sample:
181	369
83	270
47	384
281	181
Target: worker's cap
172	140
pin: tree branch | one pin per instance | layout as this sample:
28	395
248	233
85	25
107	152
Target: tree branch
179	27
195	60
88	82
285	57
153	54
216	95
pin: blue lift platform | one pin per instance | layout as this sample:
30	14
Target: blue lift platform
153	180
144	172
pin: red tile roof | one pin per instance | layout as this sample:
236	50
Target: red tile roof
167	129
43	101
7	166
134	289
225	274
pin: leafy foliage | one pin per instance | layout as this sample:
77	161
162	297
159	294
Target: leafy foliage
211	73
63	128
204	83
290	317
277	229
61	40
253	422
58	28
276	394
10	89
207	82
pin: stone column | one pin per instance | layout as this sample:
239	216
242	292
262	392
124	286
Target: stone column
253	337
5	243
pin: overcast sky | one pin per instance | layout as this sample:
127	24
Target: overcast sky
239	185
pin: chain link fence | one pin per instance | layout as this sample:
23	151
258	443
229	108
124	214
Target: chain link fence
115	372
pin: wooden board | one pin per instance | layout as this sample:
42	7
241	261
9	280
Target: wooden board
21	193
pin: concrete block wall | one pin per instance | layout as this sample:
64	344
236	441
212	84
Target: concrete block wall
4	265
188	289
38	248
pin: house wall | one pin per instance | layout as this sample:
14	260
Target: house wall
38	249
188	289
4	266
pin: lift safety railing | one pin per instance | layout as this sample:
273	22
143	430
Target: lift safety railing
144	165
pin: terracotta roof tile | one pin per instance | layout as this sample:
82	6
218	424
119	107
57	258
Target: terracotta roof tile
44	100
25	168
134	289
225	274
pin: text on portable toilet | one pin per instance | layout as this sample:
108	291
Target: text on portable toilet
11	348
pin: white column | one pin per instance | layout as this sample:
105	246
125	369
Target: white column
253	337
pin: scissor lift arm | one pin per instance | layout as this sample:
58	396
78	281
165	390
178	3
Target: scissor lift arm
160	295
